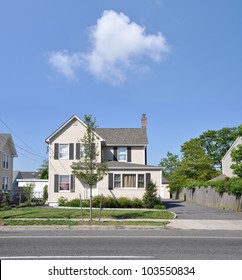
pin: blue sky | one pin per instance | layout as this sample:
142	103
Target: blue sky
177	61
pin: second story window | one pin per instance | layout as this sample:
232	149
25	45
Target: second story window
63	151
5	161
122	154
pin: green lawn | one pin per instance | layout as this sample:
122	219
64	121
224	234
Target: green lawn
10	217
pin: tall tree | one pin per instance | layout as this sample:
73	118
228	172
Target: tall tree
236	155
90	170
44	170
218	142
195	163
169	165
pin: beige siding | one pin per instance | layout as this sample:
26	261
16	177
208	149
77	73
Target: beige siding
71	133
125	192
8	173
137	154
227	160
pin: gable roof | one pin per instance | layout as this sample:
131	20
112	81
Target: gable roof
6	139
112	136
239	139
123	136
64	125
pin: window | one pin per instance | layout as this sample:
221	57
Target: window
129	180
117	180
64	183
122	154
5	161
82	151
5	183
141	180
63	151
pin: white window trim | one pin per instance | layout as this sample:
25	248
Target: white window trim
65	191
126	154
5	161
66	157
5	183
136	181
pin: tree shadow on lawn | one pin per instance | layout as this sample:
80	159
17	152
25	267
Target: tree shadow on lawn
134	215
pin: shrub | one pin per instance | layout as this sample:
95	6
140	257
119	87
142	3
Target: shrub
159	206
124	202
96	201
62	201
137	203
45	193
109	202
150	198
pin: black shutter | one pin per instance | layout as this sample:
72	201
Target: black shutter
110	181
72	183
115	153
71	151
78	151
56	183
148	178
129	154
56	151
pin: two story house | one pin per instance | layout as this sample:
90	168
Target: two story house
125	150
7	153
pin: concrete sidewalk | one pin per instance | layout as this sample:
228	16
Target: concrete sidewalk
205	224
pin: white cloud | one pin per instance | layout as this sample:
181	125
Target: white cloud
117	46
65	63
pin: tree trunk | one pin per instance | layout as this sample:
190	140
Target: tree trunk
90	203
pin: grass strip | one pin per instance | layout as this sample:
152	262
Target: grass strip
50	222
48	213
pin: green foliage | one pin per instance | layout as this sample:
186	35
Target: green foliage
45	193
89	169
44	170
150	198
169	165
228	185
236	155
107	202
28	191
217	142
195	165
4	204
159	206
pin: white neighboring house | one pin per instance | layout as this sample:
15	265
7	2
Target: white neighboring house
7	153
125	150
227	160
24	179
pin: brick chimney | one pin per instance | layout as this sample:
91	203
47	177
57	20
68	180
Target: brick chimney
143	121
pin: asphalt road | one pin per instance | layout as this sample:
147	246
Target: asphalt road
120	244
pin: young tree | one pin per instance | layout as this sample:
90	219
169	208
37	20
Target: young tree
150	196
90	170
236	155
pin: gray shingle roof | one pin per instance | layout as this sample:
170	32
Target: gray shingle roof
123	136
7	138
128	165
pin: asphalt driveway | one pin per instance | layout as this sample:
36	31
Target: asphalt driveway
190	211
